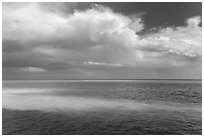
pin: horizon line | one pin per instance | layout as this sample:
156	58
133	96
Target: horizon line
110	79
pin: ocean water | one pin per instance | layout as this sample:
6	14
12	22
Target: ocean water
102	107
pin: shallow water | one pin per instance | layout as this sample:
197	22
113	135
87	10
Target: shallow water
102	107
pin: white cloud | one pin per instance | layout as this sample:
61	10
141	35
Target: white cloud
60	38
93	32
184	41
102	63
193	22
32	69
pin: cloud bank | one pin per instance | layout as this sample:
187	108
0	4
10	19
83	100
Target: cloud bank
55	39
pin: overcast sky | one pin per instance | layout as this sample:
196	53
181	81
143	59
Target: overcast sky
101	40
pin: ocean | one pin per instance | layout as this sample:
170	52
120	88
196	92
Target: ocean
102	107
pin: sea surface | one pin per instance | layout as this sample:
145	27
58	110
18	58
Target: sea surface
102	107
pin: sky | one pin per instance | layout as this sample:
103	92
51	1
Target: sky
120	40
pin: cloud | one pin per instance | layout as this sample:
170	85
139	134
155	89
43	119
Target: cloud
93	32
194	22
60	8
103	64
184	41
32	69
56	36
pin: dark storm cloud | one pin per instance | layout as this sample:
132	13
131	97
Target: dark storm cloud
60	40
